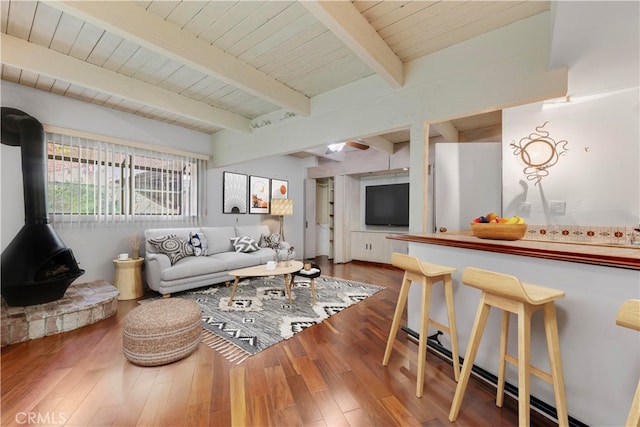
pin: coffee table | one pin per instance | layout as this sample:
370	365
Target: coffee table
261	271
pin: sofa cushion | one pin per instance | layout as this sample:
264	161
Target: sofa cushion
218	239
253	231
173	246
244	244
192	267
236	260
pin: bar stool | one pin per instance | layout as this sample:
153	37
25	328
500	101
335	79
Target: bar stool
512	296
629	317
427	275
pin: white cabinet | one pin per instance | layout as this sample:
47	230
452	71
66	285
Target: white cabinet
371	246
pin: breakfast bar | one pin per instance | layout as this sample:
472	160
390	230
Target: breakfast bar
600	360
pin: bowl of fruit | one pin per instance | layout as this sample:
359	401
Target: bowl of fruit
492	226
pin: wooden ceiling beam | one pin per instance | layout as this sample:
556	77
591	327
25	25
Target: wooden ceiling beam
380	143
134	23
38	59
347	23
447	130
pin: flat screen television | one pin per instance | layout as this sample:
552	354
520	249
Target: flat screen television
387	205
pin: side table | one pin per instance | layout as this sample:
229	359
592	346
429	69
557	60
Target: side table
311	272
128	278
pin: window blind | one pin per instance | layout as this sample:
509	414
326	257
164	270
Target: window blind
94	182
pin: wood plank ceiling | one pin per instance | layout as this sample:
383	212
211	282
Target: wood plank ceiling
210	65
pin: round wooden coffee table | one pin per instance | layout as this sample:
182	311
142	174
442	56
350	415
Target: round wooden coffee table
261	271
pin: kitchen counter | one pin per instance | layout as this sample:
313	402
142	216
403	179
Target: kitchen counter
600	359
586	253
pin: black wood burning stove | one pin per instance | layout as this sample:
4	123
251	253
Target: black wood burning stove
37	267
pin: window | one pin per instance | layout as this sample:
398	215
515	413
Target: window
91	180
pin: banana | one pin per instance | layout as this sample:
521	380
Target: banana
512	220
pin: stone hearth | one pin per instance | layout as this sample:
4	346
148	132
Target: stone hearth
81	305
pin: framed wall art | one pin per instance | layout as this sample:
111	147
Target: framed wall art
259	192
234	193
279	189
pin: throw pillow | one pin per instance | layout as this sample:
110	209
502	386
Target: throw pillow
244	244
198	243
172	246
270	241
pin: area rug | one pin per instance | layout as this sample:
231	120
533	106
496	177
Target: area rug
261	316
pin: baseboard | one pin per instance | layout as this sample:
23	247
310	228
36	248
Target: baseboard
536	404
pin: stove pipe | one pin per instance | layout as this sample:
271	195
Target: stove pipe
37	267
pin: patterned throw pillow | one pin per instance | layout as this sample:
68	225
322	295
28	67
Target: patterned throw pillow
173	247
270	241
198	243
244	244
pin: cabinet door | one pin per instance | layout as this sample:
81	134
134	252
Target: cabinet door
359	246
379	248
374	247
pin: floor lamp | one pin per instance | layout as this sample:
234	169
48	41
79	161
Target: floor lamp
282	208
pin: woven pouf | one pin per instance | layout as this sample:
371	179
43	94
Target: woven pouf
162	331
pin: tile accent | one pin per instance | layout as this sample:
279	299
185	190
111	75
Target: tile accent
602	235
82	304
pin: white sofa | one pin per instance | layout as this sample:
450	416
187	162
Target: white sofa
196	271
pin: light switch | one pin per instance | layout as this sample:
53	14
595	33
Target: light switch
557	207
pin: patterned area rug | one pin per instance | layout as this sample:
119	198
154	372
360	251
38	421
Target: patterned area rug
261	315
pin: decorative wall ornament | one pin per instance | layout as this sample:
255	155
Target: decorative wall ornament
259	195
234	193
267	122
539	152
279	189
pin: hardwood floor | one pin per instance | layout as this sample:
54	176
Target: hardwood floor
328	375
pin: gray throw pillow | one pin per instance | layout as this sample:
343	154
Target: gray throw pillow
244	244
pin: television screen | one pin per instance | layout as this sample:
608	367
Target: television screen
387	205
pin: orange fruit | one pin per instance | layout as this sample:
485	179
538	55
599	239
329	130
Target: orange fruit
491	216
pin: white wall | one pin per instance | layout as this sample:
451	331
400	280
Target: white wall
95	247
598	177
287	168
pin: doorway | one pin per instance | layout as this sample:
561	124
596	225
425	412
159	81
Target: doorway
324	217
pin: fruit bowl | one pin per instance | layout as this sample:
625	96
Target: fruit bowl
499	231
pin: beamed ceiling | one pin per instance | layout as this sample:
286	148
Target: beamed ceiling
212	65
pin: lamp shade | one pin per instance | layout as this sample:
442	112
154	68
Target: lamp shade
282	207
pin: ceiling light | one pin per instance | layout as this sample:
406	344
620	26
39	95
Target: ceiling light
334	148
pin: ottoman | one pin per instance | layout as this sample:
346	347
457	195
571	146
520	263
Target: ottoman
162	331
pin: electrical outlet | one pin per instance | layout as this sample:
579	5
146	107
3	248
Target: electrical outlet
557	207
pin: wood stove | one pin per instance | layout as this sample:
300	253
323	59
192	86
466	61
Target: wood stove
37	267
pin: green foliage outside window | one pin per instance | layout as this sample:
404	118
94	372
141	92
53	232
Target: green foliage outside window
68	197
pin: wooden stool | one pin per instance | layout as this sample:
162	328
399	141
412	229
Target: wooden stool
629	317
512	296
427	275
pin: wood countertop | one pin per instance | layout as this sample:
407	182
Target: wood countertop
606	255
